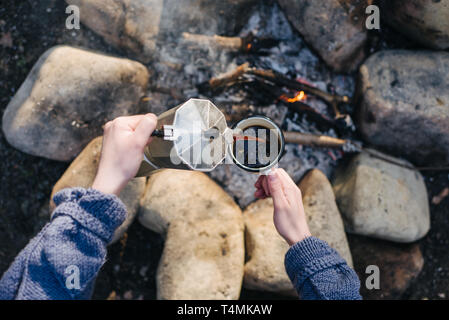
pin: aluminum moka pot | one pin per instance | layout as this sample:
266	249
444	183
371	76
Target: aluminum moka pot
195	136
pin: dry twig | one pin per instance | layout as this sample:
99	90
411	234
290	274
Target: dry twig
436	200
228	43
309	139
246	44
228	78
323	141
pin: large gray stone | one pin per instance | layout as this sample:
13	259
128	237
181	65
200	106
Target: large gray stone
204	249
201	260
266	249
132	25
425	21
382	200
135	25
205	16
334	28
404	104
323	217
82	172
67	97
184	195
399	265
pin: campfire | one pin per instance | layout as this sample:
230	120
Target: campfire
363	133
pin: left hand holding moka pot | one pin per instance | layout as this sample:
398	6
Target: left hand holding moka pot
192	136
124	141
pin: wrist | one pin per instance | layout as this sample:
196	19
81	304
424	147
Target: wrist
298	236
107	186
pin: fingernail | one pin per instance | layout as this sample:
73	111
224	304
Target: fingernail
272	177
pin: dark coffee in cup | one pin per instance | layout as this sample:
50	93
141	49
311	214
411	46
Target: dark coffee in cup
258	144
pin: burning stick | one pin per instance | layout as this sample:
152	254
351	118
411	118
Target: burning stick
280	80
277	78
299	97
270	92
248	44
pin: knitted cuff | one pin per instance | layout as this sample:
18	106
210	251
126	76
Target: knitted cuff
307	257
100	213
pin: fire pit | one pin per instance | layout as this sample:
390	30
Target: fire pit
268	70
366	108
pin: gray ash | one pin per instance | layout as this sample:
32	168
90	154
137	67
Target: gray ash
182	67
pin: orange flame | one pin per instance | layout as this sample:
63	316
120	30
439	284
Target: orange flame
300	96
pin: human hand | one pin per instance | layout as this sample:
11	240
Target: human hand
289	216
124	141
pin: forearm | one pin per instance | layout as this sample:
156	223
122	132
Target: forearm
71	247
319	273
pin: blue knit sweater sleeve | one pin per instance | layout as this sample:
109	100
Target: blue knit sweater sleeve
63	260
318	272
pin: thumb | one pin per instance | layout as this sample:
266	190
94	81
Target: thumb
145	128
277	191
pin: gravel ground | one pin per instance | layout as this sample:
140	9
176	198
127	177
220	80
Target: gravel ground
27	29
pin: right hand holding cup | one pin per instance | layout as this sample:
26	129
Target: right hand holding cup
289	216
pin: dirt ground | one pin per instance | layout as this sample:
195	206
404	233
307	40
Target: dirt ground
27	29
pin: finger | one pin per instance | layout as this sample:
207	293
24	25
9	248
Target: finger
265	186
258	183
128	122
145	128
107	125
276	191
291	190
107	129
260	194
286	177
260	188
261	183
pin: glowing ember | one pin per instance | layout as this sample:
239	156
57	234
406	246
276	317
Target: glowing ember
300	96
